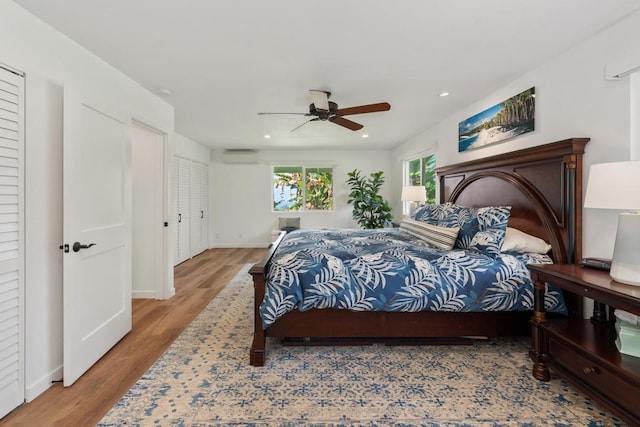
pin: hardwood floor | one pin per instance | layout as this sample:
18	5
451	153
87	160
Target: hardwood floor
156	324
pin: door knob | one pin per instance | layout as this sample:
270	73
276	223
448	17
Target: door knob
77	246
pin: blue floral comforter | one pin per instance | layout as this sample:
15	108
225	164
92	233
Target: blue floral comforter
388	270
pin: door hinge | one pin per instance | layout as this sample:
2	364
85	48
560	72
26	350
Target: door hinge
65	248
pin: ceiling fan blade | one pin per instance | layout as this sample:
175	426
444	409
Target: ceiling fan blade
320	99
346	123
298	127
297	114
360	109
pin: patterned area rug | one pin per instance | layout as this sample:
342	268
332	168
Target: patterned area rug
204	379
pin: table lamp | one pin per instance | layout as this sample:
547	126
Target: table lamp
414	194
617	186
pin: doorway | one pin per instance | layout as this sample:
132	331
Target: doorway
148	229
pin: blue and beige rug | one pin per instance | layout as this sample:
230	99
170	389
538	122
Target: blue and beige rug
204	379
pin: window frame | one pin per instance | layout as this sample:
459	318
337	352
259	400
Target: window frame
305	170
406	176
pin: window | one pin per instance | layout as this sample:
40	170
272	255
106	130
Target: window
296	188
422	171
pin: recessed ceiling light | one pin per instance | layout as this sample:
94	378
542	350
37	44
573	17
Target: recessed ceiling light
443	94
364	135
267	136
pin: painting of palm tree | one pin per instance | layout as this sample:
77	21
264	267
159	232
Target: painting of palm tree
505	120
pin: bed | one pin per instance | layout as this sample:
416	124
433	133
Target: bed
541	188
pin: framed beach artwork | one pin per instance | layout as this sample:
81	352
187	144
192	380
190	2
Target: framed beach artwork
505	120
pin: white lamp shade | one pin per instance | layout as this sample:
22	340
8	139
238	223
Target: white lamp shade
614	186
413	193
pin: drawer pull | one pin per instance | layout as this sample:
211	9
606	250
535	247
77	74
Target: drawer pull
590	370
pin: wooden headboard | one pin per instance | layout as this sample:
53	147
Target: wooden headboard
543	186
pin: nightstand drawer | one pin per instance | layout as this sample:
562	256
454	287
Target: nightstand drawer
593	376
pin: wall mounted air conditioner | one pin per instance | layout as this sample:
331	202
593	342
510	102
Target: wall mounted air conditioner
240	156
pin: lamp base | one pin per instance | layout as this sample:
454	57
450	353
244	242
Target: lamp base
625	265
412	207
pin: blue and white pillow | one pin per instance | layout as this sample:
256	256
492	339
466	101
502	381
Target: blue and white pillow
430	214
481	229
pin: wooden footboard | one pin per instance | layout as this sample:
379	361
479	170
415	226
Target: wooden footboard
258	271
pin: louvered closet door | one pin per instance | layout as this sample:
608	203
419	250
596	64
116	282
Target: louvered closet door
184	202
181	204
11	238
175	209
204	206
196	210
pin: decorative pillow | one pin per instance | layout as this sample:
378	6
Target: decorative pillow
519	241
440	237
481	229
428	213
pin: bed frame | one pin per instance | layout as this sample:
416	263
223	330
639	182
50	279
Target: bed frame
543	186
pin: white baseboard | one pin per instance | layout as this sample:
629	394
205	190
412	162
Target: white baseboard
171	292
40	386
223	245
143	294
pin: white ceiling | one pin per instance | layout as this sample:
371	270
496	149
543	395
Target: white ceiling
225	61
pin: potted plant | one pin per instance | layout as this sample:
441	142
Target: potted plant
370	210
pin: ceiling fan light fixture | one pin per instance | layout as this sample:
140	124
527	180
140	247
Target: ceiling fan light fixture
320	99
321	109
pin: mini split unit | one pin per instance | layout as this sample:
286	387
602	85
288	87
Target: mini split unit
240	156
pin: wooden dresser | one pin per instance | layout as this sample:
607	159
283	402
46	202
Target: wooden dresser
583	351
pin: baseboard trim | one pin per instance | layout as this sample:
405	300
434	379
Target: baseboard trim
170	292
40	386
143	294
223	245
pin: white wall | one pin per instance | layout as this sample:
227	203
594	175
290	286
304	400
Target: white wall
50	61
189	149
573	99
241	214
43	234
634	80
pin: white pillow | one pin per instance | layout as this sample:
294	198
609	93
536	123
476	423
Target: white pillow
519	241
440	237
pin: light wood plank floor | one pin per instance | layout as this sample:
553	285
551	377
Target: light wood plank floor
156	324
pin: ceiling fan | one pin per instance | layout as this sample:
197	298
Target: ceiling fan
324	110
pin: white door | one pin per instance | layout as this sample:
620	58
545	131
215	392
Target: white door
199	207
196	212
184	202
181	207
204	206
97	221
175	207
11	241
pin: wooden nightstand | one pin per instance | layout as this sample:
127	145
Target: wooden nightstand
583	351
